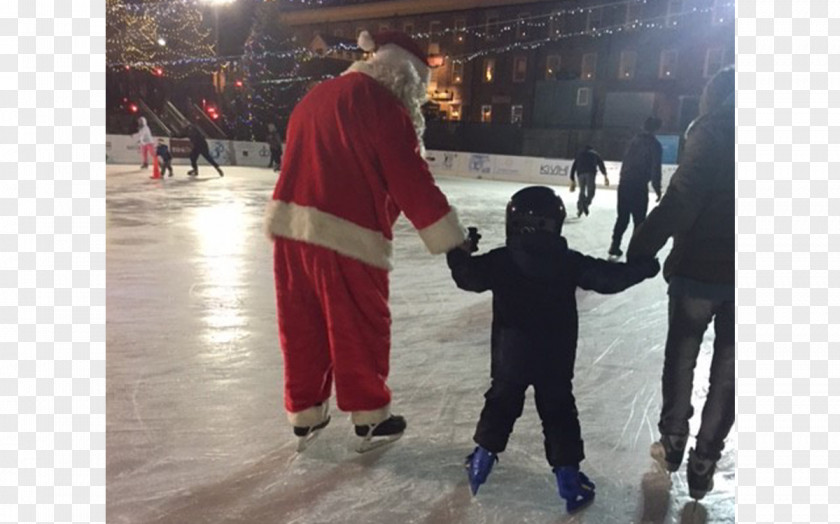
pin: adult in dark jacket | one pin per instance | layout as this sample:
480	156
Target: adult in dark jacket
586	166
535	331
642	164
199	147
274	147
698	211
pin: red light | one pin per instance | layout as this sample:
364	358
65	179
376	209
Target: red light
214	116
159	71
239	83
127	68
133	108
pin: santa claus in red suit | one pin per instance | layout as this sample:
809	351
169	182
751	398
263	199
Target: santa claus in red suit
352	164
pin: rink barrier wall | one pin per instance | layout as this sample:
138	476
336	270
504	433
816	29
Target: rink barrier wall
122	149
532	170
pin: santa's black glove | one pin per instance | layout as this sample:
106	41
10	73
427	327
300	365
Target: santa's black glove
472	239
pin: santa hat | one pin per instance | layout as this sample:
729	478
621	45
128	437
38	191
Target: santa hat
393	46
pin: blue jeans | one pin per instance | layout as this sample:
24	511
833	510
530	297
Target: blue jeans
688	318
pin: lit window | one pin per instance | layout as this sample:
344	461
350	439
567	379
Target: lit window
489	69
552	66
486	114
584	96
520	68
668	64
455	112
587	66
627	66
457	72
516	112
714	61
460	31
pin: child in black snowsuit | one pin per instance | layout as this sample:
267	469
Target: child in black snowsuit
535	331
162	151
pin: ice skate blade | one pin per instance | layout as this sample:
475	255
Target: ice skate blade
370	443
304	442
614	258
657	453
578	505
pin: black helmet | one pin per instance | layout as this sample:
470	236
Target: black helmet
535	208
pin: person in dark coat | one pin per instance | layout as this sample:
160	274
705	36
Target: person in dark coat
698	211
534	278
199	147
165	156
586	166
642	164
274	147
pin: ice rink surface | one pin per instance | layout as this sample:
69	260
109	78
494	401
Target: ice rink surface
196	431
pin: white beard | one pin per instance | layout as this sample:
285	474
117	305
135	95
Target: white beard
406	84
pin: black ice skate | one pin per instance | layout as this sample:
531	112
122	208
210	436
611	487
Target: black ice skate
377	435
306	434
700	473
615	253
192	172
220	172
668	451
575	487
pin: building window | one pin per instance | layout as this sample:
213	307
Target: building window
557	24
627	66
489	70
492	27
408	28
634	13
674	12
719	12
714	61
668	64
486	114
457	72
584	96
516	112
593	20
460	31
520	68
552	66
434	38
521	27
587	66
455	112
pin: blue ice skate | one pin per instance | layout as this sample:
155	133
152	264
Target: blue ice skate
574	487
479	463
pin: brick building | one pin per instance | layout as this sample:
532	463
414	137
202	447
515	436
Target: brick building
550	75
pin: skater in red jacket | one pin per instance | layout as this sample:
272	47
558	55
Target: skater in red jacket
352	164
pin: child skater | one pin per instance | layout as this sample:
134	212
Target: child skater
535	330
165	157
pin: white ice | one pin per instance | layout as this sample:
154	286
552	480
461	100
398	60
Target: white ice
195	421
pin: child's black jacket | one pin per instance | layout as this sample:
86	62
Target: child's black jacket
535	319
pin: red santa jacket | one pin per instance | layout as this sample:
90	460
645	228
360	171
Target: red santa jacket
352	163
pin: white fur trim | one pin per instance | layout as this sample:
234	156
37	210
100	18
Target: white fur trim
374	416
310	416
366	42
395	56
314	226
444	235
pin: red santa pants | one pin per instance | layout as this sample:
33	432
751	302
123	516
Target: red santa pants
334	324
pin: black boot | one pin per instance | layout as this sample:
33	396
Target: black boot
701	469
